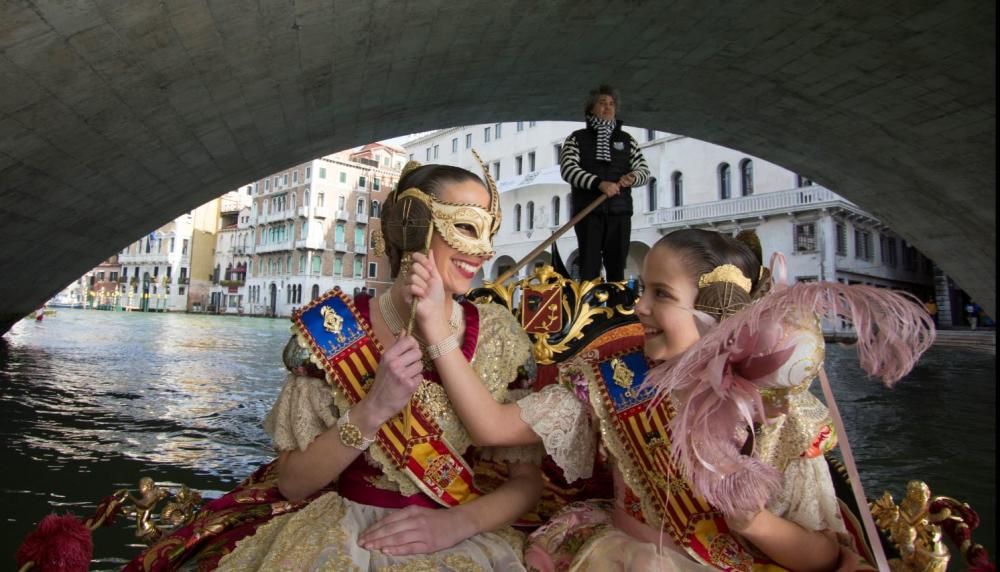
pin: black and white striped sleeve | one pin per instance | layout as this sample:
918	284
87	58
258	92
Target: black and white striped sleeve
570	169
637	162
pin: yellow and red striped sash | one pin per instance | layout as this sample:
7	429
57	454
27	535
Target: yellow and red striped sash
657	493
349	354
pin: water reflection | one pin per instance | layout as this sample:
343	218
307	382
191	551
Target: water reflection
91	401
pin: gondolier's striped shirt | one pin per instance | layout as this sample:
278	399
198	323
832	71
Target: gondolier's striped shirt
576	176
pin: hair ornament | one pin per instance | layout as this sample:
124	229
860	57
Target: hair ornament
408	167
725	273
494	194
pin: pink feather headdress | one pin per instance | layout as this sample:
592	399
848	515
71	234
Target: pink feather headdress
715	383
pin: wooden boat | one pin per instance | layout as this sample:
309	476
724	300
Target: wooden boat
565	318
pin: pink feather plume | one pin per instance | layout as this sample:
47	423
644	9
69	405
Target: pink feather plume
715	383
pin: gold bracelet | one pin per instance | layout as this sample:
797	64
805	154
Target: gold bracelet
447	345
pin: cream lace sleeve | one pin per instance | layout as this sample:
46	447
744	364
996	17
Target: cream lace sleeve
563	423
529	454
808	497
304	409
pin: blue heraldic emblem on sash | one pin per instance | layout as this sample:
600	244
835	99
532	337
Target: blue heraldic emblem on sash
332	325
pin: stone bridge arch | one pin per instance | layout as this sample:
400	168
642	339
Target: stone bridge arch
116	117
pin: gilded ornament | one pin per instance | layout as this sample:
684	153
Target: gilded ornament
622	375
378	243
725	273
333	323
909	528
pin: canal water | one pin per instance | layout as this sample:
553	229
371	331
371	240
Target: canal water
91	401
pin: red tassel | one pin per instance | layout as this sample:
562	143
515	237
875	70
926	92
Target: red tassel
58	544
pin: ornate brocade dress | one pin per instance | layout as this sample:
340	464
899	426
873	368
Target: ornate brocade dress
323	535
576	415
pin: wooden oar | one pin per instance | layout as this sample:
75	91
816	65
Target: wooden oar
548	241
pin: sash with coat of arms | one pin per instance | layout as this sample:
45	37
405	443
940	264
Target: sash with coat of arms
344	346
637	432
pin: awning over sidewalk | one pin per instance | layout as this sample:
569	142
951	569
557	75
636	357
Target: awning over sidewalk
548	176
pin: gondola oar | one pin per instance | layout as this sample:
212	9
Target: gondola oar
548	241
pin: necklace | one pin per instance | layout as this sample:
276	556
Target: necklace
396	323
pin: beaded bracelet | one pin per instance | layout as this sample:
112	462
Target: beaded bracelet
447	345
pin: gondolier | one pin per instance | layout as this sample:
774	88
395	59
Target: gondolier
602	158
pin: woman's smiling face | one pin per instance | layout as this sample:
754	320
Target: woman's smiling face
666	304
456	268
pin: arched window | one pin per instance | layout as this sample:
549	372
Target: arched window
531	215
725	182
746	177
376	208
293	201
517	218
556	211
315	292
651	194
305	200
678	184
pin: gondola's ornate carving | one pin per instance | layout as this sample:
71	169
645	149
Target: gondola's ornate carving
909	527
556	311
178	510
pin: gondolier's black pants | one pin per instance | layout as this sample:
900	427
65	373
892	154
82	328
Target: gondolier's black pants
603	238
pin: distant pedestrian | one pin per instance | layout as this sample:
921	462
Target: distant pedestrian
972	314
932	308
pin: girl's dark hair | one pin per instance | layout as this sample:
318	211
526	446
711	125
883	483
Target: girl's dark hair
430	179
702	251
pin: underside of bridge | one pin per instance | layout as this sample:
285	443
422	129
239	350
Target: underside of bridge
117	116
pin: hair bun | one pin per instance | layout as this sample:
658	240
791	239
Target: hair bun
749	237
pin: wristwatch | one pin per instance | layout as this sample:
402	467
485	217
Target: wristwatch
350	434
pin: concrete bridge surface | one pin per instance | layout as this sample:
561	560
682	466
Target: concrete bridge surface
117	116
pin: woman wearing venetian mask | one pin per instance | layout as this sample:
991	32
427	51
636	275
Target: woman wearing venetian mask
373	464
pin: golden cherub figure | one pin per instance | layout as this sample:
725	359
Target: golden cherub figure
149	495
918	540
180	510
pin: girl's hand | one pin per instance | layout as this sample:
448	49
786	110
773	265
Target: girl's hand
398	376
418	530
433	305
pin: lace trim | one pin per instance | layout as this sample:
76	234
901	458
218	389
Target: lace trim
808	497
563	424
304	409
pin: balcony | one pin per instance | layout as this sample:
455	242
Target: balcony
318	211
342	215
360	189
311	242
764	204
341	246
361	218
275	246
303	212
359	246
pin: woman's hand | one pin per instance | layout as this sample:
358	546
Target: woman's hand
627	180
418	530
433	305
398	376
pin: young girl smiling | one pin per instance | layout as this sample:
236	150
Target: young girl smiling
718	451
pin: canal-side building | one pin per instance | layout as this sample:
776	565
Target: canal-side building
232	253
159	270
310	225
694	184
